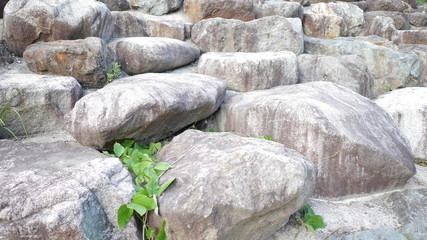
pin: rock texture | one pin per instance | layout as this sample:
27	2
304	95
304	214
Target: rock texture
281	8
418	19
117	5
251	71
41	101
412	37
356	146
236	9
383	27
60	191
322	25
408	107
158	7
232	196
29	21
348	71
128	25
421	52
147	107
140	55
389	68
274	33
400	20
386	5
88	60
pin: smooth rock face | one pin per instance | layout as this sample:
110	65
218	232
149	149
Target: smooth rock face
389	68
412	37
322	25
149	54
128	25
400	20
356	146
88	60
158	7
146	107
281	8
60	191
167	29
241	188
353	20
421	52
385	5
348	71
43	100
236	9
273	33
29	21
408	107
251	71
117	5
383	27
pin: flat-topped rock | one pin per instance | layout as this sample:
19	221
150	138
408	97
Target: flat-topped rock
29	21
231	9
146	107
356	146
158	7
41	101
149	54
322	25
280	8
242	188
400	20
60	191
412	37
408	107
386	5
251	71
273	33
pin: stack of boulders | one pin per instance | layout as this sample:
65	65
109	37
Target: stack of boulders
338	85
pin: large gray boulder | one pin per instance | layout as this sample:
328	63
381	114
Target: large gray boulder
356	146
322	25
240	187
146	107
386	5
417	18
412	37
400	20
41	101
408	107
349	71
88	60
390	69
158	7
127	25
421	52
251	71
61	191
273	33
231	9
117	5
383	27
150	54
281	8
30	21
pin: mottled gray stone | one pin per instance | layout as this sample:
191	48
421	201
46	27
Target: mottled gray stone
412	37
280	8
158	7
117	5
356	146
241	188
60	191
146	107
128	25
400	20
386	5
251	71
273	33
348	71
418	19
322	25
42	101
421	52
198	10
389	68
29	21
150	54
383	27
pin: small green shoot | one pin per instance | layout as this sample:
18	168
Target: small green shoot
421	2
4	113
309	219
114	73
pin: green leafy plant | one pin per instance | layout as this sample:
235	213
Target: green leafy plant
421	2
4	112
309	219
114	73
266	137
147	170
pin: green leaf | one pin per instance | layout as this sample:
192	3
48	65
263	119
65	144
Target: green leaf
162	232
162	166
212	130
141	199
128	143
141	210
316	222
108	154
156	210
165	186
139	180
149	233
139	168
123	215
118	149
154	147
152	181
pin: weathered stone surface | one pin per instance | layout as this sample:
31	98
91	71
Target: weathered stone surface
389	68
418	19
348	71
167	29
6	55
421	52
117	5
2	5
412	37
251	71
356	146
302	2
412	3
158	7
149	54
29	21
60	191
43	100
385	5
128	25
281	8
235	9
408	107
383	27
146	107
322	25
232	195
353	20
361	4
273	33
400	20
88	60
